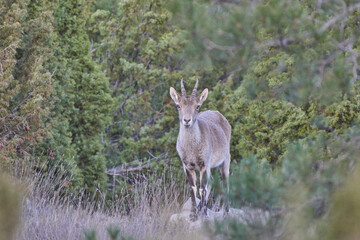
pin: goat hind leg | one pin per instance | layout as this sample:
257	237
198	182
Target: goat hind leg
225	171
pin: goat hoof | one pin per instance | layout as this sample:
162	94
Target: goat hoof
226	213
205	213
193	217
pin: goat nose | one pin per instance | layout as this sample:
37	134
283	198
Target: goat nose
187	120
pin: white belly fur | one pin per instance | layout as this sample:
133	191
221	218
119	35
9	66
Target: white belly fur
216	164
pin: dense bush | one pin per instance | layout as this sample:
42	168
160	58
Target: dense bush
136	46
84	88
26	87
296	105
305	191
9	207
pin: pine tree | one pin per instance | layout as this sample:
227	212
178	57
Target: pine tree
10	200
10	38
292	74
136	46
27	85
291	94
83	96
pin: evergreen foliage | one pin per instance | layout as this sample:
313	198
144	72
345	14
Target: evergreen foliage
84	99
84	86
113	232
11	32
269	50
26	90
9	207
136	46
292	99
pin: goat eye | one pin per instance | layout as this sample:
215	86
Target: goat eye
198	107
177	106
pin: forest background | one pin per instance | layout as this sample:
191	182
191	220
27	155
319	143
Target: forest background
85	87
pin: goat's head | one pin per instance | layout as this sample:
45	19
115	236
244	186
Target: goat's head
188	106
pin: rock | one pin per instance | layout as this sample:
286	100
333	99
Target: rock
188	204
245	215
184	216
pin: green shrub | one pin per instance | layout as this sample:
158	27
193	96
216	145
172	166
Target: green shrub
10	199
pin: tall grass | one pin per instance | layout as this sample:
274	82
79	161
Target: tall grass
48	213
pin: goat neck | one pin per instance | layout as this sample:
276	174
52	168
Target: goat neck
190	134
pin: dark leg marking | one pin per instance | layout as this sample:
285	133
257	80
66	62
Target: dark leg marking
227	204
203	191
192	182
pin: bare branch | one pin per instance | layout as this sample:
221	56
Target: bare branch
345	46
118	172
324	63
354	69
336	18
122	169
211	45
283	42
353	56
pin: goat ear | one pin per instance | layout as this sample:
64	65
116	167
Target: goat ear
202	97
174	95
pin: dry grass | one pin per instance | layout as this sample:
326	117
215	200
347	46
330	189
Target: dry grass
46	215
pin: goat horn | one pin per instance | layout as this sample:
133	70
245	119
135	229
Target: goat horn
195	88
183	91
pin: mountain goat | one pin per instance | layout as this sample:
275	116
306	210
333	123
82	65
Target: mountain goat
203	143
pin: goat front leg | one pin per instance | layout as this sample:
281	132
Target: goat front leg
204	190
191	175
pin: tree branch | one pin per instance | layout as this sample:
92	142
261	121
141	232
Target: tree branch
210	45
119	171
